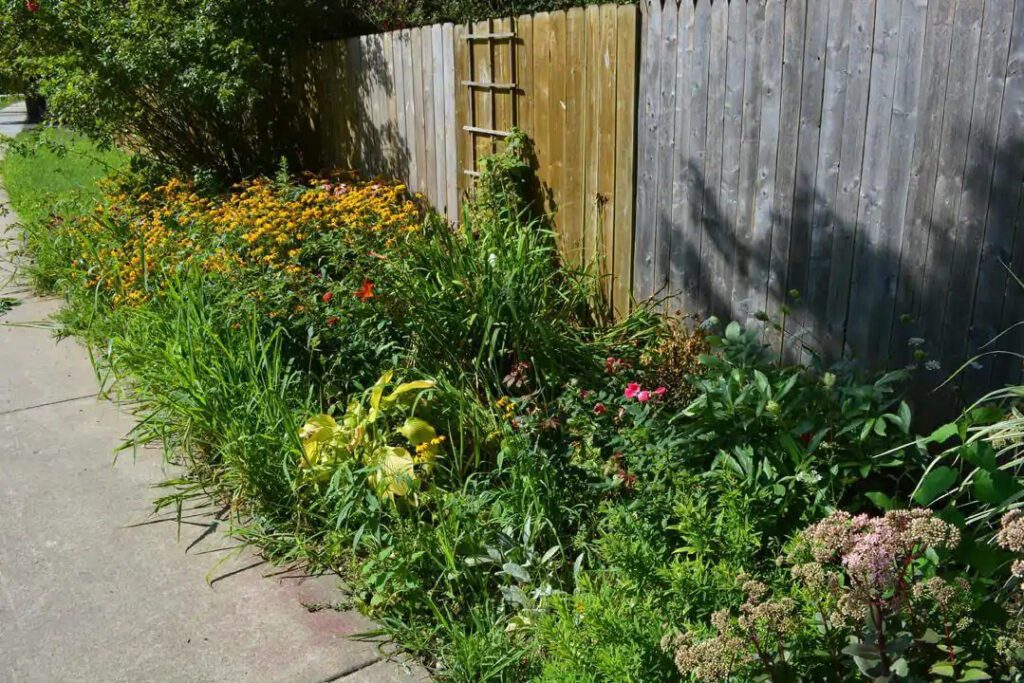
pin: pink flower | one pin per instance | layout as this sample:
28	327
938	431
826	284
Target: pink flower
599	409
632	390
644	396
660	392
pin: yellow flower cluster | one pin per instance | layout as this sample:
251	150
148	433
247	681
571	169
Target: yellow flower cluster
259	224
507	406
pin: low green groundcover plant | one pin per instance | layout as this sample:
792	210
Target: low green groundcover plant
513	485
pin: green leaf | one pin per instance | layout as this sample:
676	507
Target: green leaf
881	501
733	331
900	667
995	487
980	454
975	675
930	637
417	431
934	484
943	669
944	433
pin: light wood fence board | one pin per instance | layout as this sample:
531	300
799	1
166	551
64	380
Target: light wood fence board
625	161
571	198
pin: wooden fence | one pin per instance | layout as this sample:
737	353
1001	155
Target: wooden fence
426	104
575	90
384	105
851	167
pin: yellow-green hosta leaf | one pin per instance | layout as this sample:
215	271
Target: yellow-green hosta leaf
319	428
418	385
378	391
417	431
396	473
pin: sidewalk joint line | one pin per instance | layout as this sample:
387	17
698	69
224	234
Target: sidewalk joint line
350	671
45	405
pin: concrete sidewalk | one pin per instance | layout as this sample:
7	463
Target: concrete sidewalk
93	588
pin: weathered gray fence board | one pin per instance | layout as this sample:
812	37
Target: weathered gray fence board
647	145
977	182
917	219
724	236
785	167
956	126
826	189
767	155
870	251
695	164
902	138
1011	153
850	174
811	101
681	217
713	268
752	85
665	121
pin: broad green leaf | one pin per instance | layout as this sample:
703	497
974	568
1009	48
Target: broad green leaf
934	484
900	667
881	501
944	433
395	474
975	675
995	487
943	669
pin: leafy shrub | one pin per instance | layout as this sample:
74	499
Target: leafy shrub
489	303
196	84
871	603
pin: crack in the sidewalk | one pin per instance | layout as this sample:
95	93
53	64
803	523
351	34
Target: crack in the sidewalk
47	404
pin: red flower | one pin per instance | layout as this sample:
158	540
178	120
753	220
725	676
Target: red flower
365	290
599	409
583	394
332	321
326	298
660	392
632	390
32	6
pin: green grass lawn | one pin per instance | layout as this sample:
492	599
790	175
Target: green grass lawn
6	100
55	172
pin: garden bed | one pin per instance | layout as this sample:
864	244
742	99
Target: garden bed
514	485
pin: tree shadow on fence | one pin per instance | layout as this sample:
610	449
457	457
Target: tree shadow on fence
347	121
926	292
